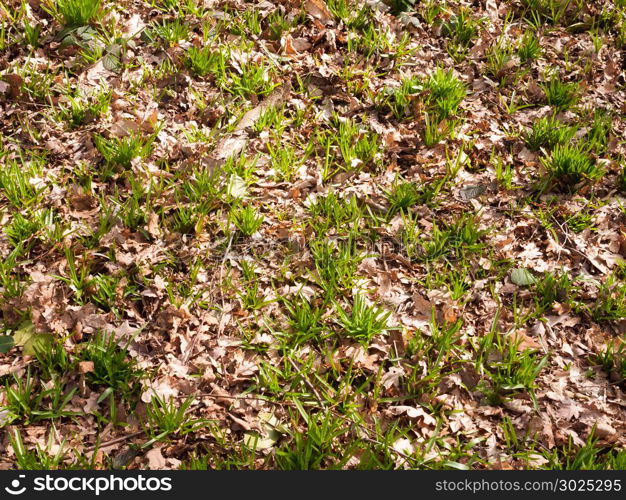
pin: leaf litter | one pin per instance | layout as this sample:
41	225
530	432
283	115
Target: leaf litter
214	196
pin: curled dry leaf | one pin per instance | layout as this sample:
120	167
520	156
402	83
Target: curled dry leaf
318	9
86	367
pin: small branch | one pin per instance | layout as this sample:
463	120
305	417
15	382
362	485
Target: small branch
308	384
114	441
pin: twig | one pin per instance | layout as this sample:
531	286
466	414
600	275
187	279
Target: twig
114	441
240	398
234	143
572	245
402	455
223	263
308	384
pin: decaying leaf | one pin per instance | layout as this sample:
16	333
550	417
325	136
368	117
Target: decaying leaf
156	461
470	192
134	142
318	9
29	339
15	84
522	277
237	187
6	342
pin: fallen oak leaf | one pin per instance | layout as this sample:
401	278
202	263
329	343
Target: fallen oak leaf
319	10
413	412
523	341
153	225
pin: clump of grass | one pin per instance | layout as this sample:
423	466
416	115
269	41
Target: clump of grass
355	142
613	359
561	95
166	417
540	12
26	399
330	211
509	369
277	24
285	161
184	219
529	49
552	288
436	130
122	150
79	109
610	304
248	22
31	33
305	320
77	13
590	456
372	41
250	295
15	183
399	99
452	242
362	322
402	196
170	31
255	79
499	58
548	132
441	92
11	285
206	61
445	92
579	221
461	28
570	165
335	265
53	359
112	365
399	6
347	146
246	219
597	138
21	228
314	449
41	458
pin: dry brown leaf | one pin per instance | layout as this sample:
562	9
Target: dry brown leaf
153	225
15	83
156	460
318	9
86	367
524	341
414	412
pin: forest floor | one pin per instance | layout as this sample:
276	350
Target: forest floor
294	234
